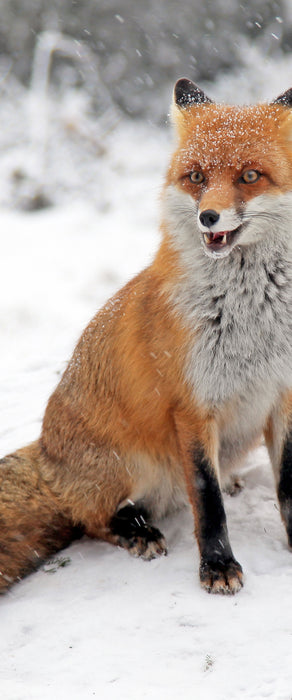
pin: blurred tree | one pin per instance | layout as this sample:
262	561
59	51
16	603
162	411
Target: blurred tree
139	47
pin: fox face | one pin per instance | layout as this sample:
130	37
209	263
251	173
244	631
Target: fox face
230	180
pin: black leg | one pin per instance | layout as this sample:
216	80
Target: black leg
285	487
219	571
130	529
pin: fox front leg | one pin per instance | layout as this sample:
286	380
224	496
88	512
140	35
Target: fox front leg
280	450
219	570
278	435
285	486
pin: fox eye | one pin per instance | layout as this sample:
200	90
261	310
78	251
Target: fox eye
197	177
250	176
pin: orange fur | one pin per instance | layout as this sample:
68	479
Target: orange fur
244	136
122	394
124	420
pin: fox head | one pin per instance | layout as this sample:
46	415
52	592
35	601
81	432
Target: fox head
230	179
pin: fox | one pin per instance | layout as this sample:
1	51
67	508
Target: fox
181	372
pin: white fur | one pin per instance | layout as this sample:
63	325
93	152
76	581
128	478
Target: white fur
160	484
240	309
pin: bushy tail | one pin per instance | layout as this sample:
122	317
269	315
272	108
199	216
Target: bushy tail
31	525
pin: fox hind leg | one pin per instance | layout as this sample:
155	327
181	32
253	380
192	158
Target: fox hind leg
130	528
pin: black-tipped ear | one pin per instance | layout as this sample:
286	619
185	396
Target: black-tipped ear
285	99
187	93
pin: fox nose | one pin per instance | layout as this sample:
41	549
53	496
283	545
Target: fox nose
209	217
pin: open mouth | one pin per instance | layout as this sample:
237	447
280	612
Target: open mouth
221	240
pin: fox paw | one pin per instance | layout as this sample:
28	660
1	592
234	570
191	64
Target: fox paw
129	529
148	545
221	577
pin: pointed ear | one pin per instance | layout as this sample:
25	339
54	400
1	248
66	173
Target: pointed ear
187	93
285	99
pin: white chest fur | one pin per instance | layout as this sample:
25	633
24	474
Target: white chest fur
240	308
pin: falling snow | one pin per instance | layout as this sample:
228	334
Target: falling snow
104	624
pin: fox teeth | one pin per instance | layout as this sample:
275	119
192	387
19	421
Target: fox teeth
207	239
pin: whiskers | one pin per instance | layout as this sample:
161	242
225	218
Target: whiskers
188	217
185	214
266	216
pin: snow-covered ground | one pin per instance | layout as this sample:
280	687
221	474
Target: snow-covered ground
107	625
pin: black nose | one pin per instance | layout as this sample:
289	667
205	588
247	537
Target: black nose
209	217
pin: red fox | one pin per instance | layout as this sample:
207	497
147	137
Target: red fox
175	379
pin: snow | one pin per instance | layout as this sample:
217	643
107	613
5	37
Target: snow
107	625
